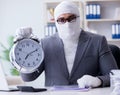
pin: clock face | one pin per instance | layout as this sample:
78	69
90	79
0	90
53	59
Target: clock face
28	55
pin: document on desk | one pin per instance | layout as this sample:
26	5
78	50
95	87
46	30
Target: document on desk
60	88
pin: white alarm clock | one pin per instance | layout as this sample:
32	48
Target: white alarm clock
26	55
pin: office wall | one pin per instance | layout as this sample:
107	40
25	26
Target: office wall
19	13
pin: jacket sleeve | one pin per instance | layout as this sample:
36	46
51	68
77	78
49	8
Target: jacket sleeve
106	62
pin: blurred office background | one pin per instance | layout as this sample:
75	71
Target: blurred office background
38	15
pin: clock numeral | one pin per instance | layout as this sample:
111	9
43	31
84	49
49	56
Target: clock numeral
22	64
27	44
38	54
19	59
17	53
28	64
20	49
37	59
23	46
33	63
32	45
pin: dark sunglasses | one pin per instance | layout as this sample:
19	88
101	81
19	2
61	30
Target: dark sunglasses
70	19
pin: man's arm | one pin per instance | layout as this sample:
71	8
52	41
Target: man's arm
106	62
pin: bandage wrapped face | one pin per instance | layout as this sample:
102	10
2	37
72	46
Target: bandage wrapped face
67	20
69	28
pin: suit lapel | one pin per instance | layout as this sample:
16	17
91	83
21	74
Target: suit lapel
82	45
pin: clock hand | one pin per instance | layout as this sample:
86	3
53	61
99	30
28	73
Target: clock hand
30	53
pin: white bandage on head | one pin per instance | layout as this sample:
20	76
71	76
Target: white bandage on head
66	7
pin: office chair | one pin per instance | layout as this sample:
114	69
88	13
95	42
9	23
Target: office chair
116	53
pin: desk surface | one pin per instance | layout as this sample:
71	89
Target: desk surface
95	91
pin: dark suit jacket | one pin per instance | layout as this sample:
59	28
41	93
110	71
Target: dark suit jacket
93	57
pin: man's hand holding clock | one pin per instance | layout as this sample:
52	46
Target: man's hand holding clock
26	54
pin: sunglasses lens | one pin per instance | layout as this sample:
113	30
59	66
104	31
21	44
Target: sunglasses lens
61	20
71	18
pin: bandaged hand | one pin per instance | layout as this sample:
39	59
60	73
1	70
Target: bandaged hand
24	32
88	81
116	89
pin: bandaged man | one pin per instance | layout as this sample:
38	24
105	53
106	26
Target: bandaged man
74	56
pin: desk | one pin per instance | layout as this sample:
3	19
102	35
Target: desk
95	91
